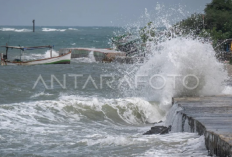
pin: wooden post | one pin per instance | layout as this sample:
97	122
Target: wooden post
20	55
33	25
51	53
6	53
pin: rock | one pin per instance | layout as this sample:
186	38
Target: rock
167	130
158	130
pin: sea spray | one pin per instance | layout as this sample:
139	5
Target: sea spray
182	57
176	64
175	68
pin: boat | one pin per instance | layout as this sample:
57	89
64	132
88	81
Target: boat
100	55
61	59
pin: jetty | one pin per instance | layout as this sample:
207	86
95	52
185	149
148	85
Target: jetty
211	117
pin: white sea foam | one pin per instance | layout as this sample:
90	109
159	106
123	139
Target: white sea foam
35	56
15	30
31	56
23	30
72	29
40	94
109	140
89	59
227	90
82	60
47	54
189	145
7	29
62	30
52	30
174	144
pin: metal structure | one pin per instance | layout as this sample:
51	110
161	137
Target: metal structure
61	59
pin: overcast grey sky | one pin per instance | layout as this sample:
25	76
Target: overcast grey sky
85	12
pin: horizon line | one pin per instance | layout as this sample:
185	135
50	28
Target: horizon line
58	26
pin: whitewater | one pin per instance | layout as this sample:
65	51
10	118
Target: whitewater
102	116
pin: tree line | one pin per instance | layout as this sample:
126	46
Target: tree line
216	21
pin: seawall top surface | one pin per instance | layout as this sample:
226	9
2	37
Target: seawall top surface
213	112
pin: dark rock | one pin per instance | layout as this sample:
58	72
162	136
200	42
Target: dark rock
167	130
158	130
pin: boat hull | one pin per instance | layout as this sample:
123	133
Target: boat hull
64	59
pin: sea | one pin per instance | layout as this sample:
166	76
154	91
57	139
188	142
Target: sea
89	108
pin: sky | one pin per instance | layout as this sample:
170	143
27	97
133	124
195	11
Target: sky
89	12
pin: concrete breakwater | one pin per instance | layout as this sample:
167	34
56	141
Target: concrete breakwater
208	116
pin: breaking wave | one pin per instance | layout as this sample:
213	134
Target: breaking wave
89	59
57	30
34	56
43	29
134	111
54	54
53	30
83	124
72	29
176	65
179	65
15	30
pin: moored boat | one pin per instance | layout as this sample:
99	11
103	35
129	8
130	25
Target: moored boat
61	59
99	55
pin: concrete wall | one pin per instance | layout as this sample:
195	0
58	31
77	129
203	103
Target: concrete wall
208	116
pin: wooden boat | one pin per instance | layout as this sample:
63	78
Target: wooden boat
100	55
61	59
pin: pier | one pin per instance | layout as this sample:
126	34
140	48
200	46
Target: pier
211	117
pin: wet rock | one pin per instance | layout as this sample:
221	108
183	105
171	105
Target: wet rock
158	130
167	130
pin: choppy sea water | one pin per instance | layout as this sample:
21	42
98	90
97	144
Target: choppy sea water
87	116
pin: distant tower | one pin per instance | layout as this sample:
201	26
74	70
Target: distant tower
33	25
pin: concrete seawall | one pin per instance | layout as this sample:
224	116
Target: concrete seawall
211	117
